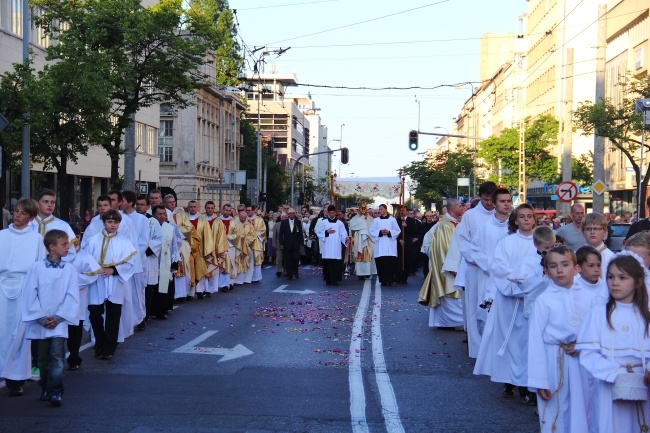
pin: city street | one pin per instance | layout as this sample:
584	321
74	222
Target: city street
281	356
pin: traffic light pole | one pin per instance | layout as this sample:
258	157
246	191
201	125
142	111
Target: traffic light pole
295	164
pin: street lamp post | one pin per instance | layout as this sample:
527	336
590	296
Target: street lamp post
418	101
329	156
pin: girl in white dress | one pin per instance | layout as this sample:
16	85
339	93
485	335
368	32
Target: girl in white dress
614	340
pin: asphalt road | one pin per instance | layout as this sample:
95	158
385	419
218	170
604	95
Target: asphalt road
352	358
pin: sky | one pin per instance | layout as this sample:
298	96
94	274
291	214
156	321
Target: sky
378	43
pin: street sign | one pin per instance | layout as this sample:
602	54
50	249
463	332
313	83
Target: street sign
567	191
599	187
462	181
218	187
144	188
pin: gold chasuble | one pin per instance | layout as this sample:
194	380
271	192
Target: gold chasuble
436	284
241	236
186	228
220	245
260	239
202	247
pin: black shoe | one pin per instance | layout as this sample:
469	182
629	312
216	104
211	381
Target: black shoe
289	278
189	298
161	317
56	399
208	294
44	396
508	391
106	357
16	391
223	289
232	287
297	277
74	367
199	295
335	283
278	274
141	326
530	399
98	352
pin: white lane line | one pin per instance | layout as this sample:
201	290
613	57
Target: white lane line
388	401
355	375
201	338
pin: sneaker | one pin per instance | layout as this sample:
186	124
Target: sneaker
36	372
508	391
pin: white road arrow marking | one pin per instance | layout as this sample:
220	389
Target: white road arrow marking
227	354
281	289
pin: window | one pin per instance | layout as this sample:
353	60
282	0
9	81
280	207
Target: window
151	140
140	143
166	141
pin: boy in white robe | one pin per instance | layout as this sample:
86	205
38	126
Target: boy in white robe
553	366
21	247
51	303
116	255
614	341
162	298
333	234
594	229
639	244
482	248
46	221
87	272
589	278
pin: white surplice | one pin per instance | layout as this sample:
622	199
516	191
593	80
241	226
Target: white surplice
50	292
20	249
599	288
385	245
557	316
88	271
44	225
604	352
143	231
503	353
332	242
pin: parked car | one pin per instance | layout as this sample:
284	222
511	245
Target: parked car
617	234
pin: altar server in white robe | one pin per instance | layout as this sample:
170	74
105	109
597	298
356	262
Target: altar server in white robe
104	203
88	271
168	260
482	249
46	221
384	231
503	353
116	255
438	291
145	230
21	247
332	232
553	366
614	341
151	262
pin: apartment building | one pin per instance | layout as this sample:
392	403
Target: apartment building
90	176
628	30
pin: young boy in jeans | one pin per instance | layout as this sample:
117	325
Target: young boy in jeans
51	303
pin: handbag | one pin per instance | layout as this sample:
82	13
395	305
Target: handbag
629	386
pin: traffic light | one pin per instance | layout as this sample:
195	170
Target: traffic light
413	140
345	155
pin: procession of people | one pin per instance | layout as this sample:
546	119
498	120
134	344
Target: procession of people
550	312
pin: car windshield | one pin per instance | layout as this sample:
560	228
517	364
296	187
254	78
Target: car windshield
620	230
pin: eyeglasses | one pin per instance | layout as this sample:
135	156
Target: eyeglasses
593	229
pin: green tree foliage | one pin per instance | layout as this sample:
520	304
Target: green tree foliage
540	137
67	109
437	174
156	54
618	122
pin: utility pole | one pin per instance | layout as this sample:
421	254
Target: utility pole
599	142
24	172
567	131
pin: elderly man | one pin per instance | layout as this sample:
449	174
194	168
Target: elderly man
291	237
572	233
363	245
258	243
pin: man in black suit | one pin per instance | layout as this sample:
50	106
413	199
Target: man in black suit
291	239
408	238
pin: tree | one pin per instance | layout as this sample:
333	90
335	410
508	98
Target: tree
502	152
437	174
156	54
67	109
619	123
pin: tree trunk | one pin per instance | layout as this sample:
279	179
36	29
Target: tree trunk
62	190
644	189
